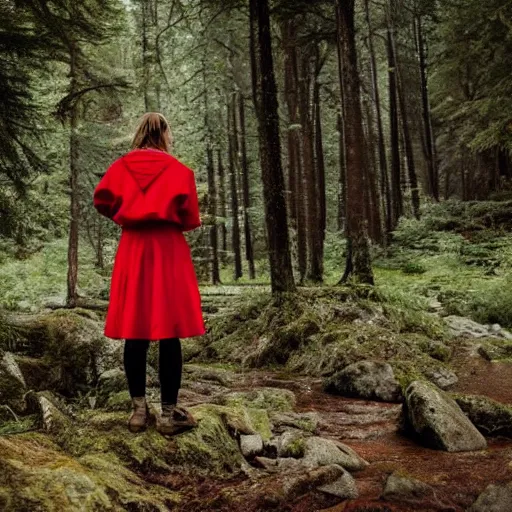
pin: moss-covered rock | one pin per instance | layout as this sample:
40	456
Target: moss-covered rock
120	401
490	417
12	382
286	340
36	475
435	419
372	380
272	399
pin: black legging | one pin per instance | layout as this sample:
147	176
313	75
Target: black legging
169	368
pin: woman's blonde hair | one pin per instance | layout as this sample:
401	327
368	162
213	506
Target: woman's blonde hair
153	131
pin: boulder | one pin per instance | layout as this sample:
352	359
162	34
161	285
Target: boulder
433	417
325	452
49	410
291	444
306	421
12	383
372	380
405	489
298	485
344	487
442	377
496	498
461	326
491	418
77	351
251	445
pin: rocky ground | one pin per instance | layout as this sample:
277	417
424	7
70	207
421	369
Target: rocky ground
333	408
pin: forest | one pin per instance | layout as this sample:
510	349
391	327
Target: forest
353	162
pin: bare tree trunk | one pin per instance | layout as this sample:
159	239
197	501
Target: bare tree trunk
297	201
222	199
264	86
235	230
319	158
358	257
404	115
145	51
72	279
249	254
374	217
396	191
384	178
212	213
342	193
314	268
433	173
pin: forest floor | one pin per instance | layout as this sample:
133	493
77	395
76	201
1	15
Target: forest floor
442	289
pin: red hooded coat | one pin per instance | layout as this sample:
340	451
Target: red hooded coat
154	292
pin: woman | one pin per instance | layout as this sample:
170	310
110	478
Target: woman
154	293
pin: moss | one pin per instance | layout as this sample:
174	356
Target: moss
490	417
272	399
36	475
495	349
120	401
24	424
209	447
296	448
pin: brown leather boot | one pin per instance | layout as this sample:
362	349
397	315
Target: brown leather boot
174	420
139	418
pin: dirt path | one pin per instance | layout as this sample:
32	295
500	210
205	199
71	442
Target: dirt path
370	428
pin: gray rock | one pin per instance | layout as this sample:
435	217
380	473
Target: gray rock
343	488
442	377
48	407
307	421
496	498
324	452
401	488
366	379
288	463
436	419
251	445
298	485
12	383
112	381
291	444
490	417
461	326
266	463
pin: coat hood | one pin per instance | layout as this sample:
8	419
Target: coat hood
145	165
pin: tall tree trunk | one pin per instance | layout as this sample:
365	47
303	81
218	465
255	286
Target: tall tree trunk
264	86
212	213
384	178
396	191
72	278
319	158
374	217
232	154
342	193
433	174
297	201
404	116
145	51
358	257
222	199
314	268
249	254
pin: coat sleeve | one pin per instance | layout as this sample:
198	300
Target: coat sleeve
107	198
189	209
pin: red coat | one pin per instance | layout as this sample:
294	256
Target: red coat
154	292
